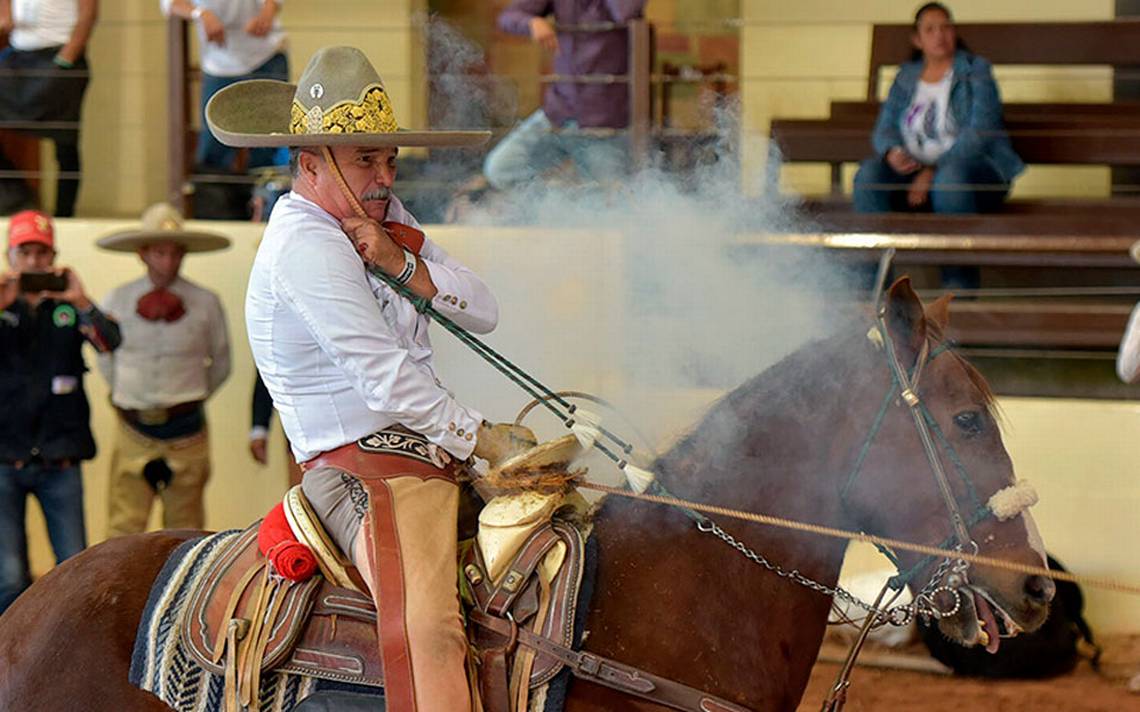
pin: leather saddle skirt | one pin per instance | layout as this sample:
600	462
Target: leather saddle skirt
243	619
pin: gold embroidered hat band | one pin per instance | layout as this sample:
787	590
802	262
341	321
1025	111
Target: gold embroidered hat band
339	100
162	222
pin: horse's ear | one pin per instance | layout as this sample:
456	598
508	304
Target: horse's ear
938	312
906	322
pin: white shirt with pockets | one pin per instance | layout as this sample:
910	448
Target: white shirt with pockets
342	354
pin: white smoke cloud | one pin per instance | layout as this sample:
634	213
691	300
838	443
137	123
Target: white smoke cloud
697	311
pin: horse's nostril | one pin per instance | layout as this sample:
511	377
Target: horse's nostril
1040	589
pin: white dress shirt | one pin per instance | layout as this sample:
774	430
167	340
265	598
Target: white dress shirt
39	24
161	364
342	354
242	52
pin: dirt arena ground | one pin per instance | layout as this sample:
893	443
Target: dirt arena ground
1083	690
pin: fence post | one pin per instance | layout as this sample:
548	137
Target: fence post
640	96
177	99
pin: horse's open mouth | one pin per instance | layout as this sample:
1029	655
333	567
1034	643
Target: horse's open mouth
993	622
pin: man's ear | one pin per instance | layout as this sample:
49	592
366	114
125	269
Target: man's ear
906	322
308	163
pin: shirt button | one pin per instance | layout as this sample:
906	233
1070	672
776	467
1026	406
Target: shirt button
463	305
451	426
467	436
459	432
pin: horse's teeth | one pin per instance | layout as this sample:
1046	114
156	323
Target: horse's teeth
983	638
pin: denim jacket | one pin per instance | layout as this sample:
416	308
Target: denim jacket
975	105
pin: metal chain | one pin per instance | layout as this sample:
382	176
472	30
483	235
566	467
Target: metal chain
901	615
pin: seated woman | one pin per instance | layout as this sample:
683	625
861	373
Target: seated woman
939	138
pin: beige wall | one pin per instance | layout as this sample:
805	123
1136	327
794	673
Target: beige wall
124	115
798	57
240	490
568	327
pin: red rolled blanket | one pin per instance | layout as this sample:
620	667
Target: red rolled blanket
289	557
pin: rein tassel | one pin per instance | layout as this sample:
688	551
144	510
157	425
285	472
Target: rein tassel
638	478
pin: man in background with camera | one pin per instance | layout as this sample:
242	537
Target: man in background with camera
45	316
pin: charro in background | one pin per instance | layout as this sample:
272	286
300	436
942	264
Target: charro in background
175	355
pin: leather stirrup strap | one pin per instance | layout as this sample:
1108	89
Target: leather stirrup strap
236	630
253	672
231	606
610	673
247	658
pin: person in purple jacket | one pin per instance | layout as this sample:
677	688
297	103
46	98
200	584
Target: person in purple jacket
560	130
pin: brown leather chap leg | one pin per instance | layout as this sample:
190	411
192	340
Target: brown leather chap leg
410	537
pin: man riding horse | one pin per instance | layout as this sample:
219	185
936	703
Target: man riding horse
348	360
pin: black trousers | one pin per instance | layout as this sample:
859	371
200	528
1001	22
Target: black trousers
33	88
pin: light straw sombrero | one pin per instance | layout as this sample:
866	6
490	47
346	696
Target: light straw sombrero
162	222
339	100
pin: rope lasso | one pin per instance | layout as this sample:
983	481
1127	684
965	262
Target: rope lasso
551	401
836	533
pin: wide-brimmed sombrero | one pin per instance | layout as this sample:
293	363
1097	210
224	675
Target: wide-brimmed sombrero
339	100
162	223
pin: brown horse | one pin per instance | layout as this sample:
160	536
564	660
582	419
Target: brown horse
670	599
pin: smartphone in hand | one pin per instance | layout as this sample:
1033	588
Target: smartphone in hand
35	282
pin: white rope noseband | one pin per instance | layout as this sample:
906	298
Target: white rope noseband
1011	501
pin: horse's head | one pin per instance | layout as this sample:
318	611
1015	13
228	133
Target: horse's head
893	490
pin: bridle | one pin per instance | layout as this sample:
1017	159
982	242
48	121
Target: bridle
951	575
904	390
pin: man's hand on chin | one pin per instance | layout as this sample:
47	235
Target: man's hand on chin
386	254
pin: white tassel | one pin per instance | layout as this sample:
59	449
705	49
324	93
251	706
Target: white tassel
639	479
586	427
1011	501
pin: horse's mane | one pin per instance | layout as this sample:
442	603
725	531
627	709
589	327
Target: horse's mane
937	337
737	411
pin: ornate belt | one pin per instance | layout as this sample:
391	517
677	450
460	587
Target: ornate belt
392	452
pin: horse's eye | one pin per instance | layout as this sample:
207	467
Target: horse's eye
969	422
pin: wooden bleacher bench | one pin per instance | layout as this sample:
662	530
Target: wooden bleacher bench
1044	324
1042	133
1040	325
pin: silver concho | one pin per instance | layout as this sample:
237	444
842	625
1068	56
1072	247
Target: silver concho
317	91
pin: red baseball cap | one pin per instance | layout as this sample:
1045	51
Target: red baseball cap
30	226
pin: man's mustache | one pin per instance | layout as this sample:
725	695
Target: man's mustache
380	193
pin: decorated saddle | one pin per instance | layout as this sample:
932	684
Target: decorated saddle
226	627
230	613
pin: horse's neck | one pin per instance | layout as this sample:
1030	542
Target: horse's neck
780	443
777	445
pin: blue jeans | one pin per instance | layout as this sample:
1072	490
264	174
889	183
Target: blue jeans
534	147
60	494
213	153
879	189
